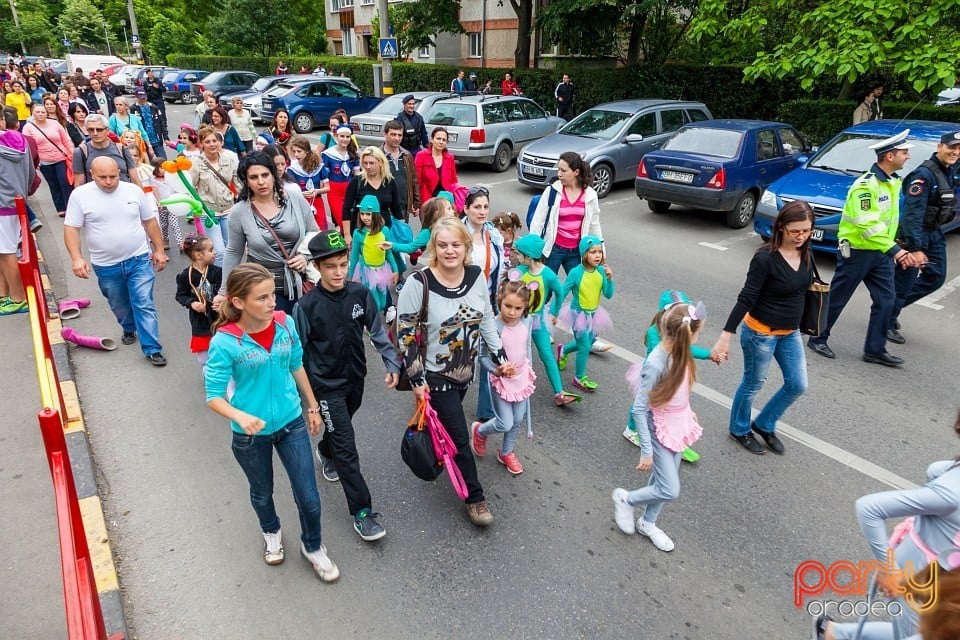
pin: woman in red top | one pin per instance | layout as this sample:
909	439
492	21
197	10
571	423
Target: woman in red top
436	167
509	87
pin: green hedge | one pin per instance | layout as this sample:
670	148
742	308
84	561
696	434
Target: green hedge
819	120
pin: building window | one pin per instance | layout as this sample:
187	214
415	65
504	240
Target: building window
344	4
424	52
476	44
348	42
366	2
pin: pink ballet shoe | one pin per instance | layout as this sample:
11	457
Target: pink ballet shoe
70	309
103	344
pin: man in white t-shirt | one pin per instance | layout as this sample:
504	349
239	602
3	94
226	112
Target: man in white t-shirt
114	216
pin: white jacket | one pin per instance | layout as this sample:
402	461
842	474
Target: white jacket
591	219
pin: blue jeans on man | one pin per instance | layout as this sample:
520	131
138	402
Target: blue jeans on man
255	456
758	351
128	288
913	284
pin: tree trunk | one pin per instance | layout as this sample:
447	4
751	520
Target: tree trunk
636	39
524	11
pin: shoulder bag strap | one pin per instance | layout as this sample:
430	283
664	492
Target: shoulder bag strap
266	223
48	138
227	183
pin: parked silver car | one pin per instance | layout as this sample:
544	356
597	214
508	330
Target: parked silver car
370	125
611	137
491	129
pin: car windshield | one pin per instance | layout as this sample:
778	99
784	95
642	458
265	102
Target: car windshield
278	90
596	123
453	114
170	76
262	84
390	106
849	153
721	143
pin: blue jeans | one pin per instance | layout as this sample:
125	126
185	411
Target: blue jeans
758	350
218	236
56	178
484	393
509	422
255	455
567	258
664	483
128	288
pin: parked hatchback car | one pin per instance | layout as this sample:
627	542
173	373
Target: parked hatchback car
491	129
369	125
825	178
313	102
220	82
719	165
611	137
176	84
253	97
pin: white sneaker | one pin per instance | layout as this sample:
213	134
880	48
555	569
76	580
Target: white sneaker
623	512
326	570
659	539
390	314
272	548
632	436
600	346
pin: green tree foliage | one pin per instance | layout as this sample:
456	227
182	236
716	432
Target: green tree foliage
82	22
842	40
266	27
36	30
416	24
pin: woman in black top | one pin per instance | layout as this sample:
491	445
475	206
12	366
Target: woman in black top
771	306
376	179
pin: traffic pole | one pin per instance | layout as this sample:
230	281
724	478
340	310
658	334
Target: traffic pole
384	33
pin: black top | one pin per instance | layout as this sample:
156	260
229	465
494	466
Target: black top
190	282
388	195
773	293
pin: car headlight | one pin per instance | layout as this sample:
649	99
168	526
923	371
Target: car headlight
768	199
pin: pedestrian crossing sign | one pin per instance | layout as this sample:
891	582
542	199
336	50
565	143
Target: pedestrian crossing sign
388	47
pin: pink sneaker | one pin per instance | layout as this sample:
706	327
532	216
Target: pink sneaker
511	462
478	442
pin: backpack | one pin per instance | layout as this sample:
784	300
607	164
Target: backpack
532	208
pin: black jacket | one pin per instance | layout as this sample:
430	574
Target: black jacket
199	322
331	325
94	107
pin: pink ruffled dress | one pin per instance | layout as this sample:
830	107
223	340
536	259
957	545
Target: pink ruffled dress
516	340
675	424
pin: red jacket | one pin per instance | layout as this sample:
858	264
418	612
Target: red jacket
428	176
510	88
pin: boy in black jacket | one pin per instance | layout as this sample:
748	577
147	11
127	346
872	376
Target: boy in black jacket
331	321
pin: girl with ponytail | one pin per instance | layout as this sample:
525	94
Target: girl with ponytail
666	424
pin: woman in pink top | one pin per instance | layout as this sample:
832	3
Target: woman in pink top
55	149
575	213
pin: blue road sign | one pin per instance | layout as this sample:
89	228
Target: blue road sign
388	47
67	43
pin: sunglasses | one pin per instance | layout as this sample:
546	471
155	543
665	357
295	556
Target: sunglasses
796	233
96	129
483	191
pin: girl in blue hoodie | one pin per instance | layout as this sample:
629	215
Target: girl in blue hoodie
258	347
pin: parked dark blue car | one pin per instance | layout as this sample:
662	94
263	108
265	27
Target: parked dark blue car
311	103
176	84
719	165
825	179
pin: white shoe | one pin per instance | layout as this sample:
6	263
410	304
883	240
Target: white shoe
632	436
623	512
600	346
659	539
390	314
272	548
326	570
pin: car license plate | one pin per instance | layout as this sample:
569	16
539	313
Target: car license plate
451	137
371	127
676	176
536	171
817	235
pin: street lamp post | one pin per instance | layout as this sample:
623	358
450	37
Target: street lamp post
123	23
106	34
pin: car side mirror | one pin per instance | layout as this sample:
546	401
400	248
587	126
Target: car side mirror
632	138
802	158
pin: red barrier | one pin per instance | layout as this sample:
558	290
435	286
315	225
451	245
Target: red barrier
80	594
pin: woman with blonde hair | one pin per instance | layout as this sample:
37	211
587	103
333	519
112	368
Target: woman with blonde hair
374	179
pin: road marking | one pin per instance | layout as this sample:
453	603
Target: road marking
930	301
842	456
710	245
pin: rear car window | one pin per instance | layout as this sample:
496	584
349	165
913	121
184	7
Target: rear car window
697	116
721	143
447	114
171	77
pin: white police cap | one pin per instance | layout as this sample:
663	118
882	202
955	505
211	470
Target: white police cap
898	141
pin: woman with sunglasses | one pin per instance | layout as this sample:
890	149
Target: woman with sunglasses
771	307
436	167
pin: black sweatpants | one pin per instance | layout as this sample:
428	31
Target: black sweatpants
449	408
340	445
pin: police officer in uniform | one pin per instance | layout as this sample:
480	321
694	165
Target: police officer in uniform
928	202
868	250
414	128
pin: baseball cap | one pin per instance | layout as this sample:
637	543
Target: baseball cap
140	93
326	244
950	138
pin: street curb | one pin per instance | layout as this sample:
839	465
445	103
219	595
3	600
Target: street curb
84	475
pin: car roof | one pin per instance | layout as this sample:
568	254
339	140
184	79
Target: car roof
735	124
919	129
225	71
482	98
632	106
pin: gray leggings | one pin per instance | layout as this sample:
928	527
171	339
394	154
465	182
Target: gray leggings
508	421
907	625
663	485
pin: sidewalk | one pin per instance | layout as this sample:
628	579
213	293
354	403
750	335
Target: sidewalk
31	592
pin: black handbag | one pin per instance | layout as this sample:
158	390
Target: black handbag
816	304
403	383
417	449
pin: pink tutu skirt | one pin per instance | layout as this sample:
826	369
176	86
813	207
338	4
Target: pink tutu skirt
380	278
634	375
519	387
576	321
676	429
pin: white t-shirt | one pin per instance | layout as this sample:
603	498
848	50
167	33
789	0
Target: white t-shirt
112	222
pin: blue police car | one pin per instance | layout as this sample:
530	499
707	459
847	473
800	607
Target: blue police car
825	178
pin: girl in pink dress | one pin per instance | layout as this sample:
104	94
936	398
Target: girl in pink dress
512	391
666	424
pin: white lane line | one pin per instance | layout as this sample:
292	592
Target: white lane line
711	245
931	300
842	456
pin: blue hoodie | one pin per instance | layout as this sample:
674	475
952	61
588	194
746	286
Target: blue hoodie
265	385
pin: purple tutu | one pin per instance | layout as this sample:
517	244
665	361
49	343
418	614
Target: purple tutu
577	321
634	375
379	278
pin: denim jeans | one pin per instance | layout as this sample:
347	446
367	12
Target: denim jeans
255	455
484	394
907	624
222	228
128	288
664	483
56	177
758	350
218	237
567	258
509	422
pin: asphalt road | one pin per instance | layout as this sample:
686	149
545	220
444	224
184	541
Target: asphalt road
553	565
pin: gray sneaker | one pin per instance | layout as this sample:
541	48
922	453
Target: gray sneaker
366	525
329	469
